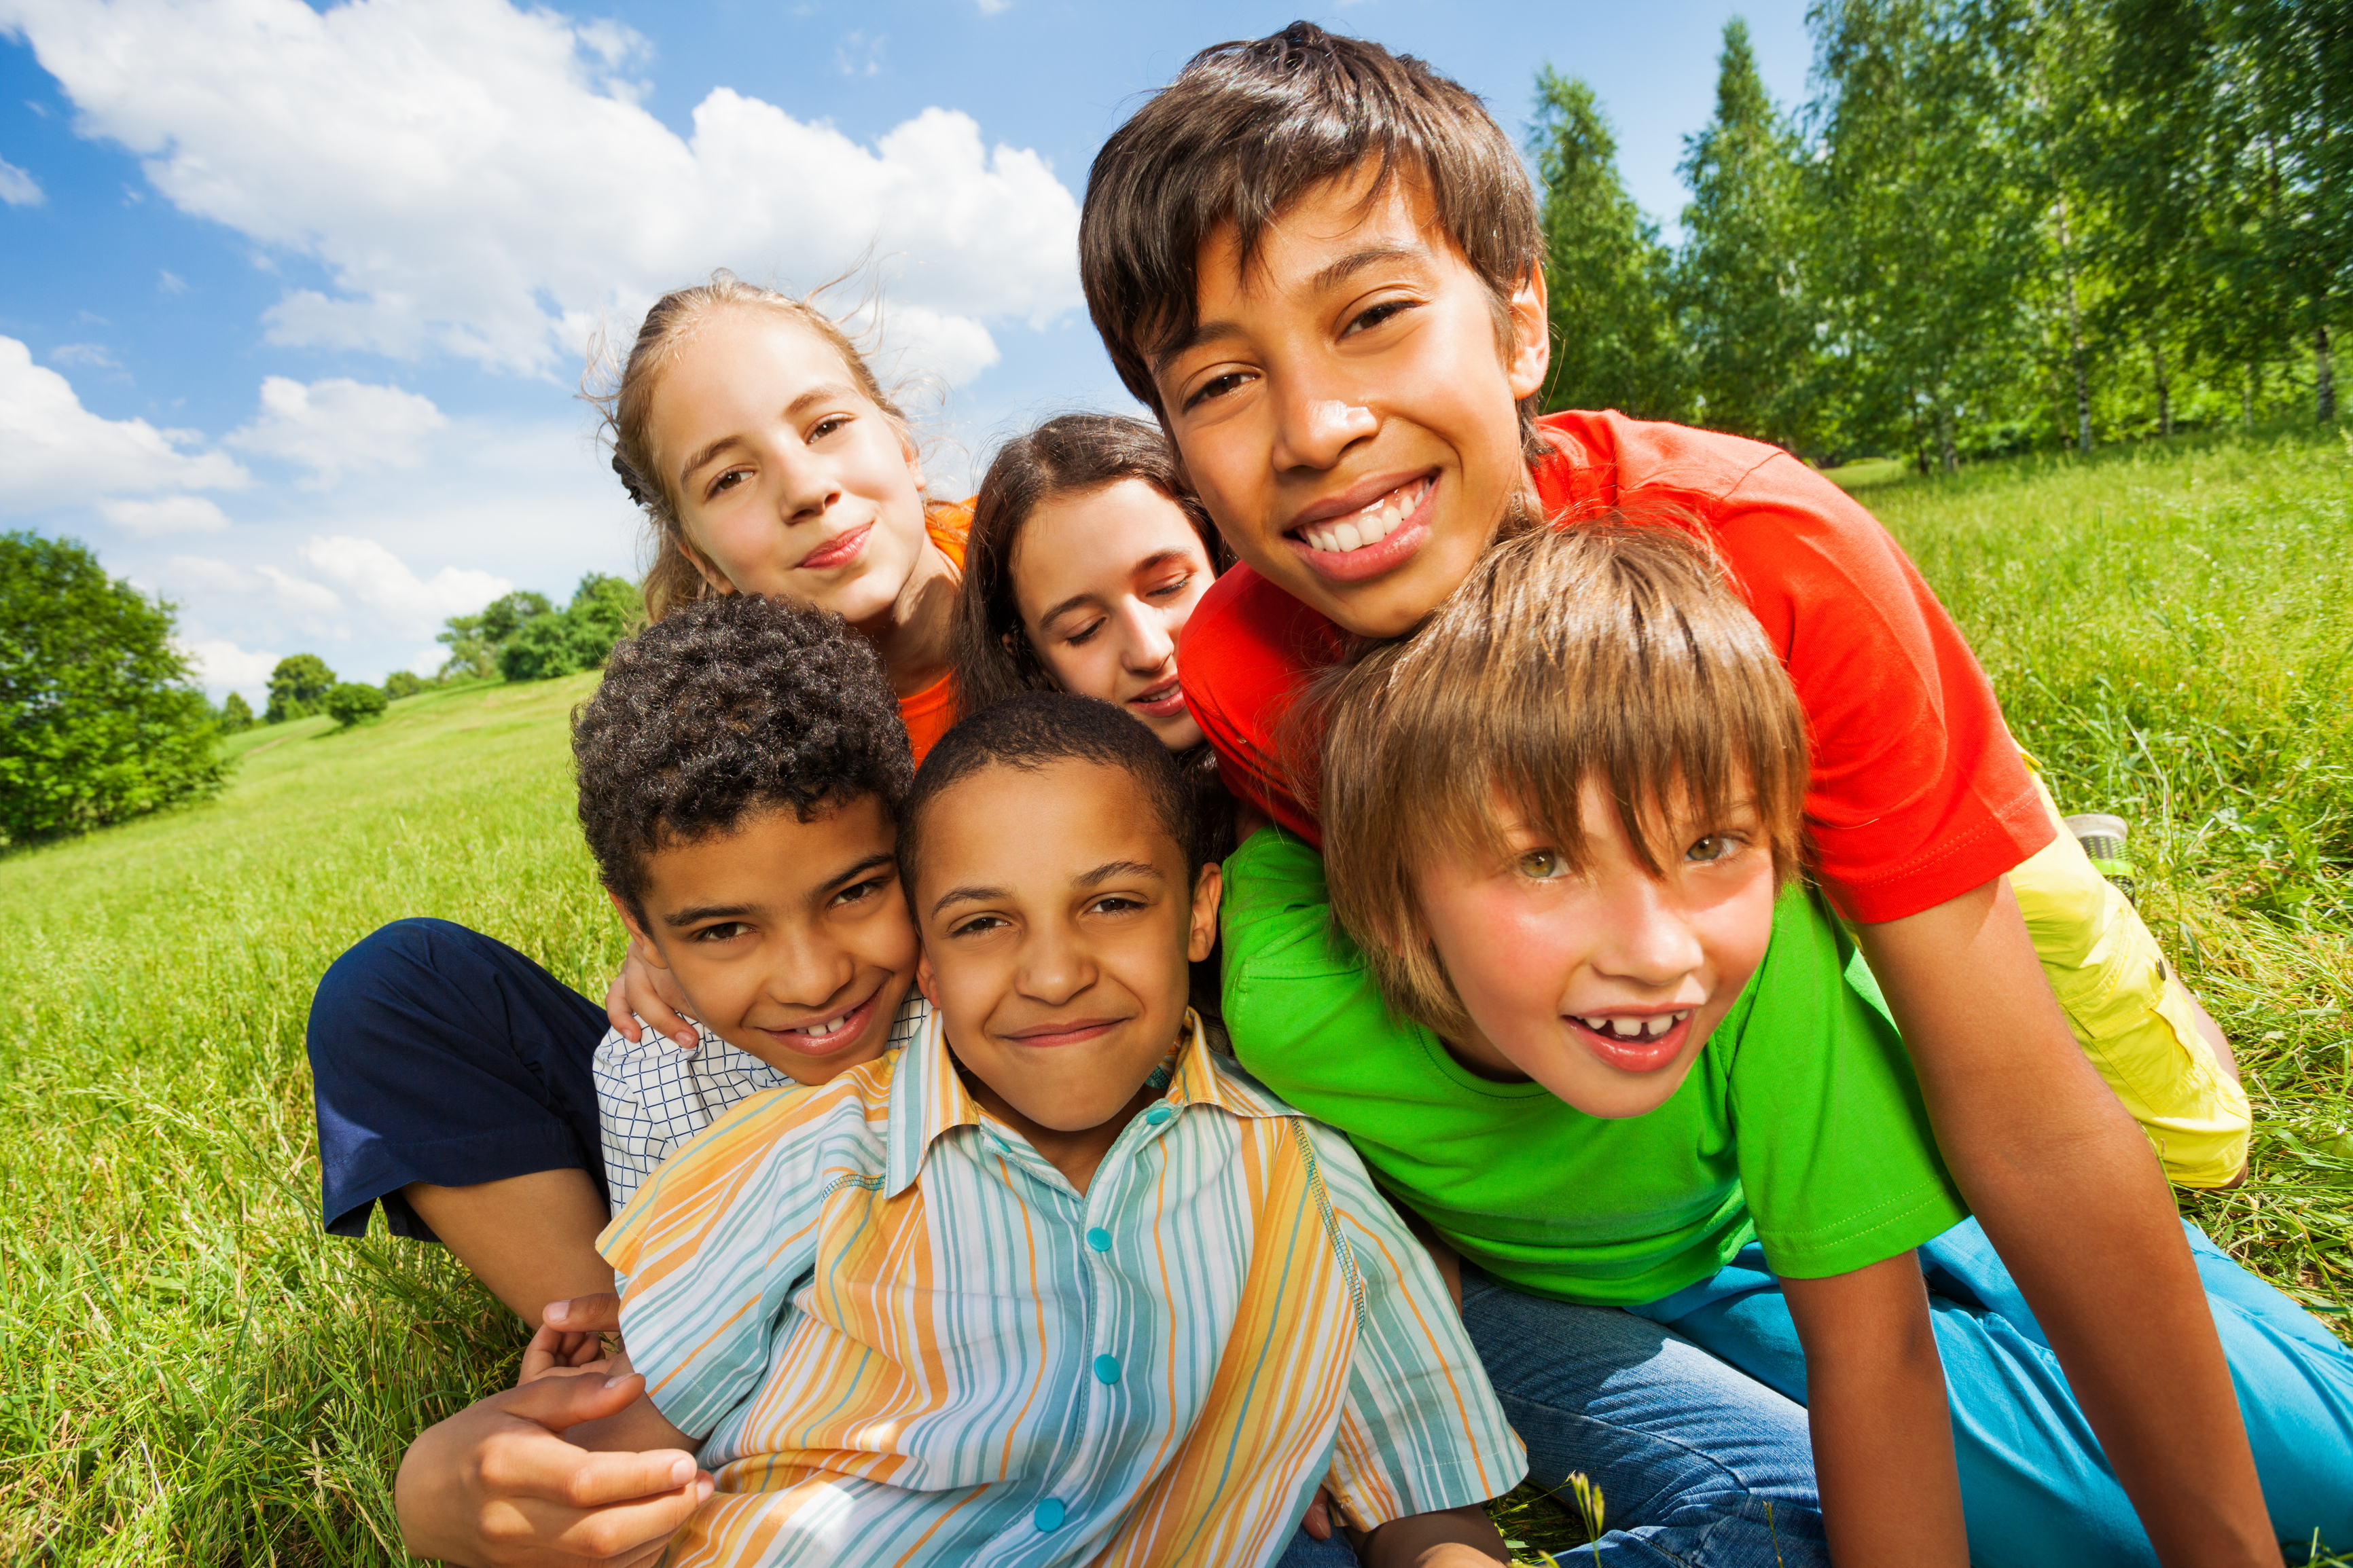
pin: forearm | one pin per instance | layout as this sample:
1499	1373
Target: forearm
636	1427
1452	1538
2071	1197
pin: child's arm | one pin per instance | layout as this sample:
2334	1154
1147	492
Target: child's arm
1452	1538
1875	1401
2071	1197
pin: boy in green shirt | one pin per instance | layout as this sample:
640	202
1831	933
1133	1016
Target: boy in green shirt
1603	1041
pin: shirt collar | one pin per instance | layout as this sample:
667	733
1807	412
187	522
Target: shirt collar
928	1098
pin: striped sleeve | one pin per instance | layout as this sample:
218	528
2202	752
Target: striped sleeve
716	1241
1422	1430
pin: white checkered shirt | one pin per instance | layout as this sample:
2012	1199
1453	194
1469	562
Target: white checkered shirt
651	1097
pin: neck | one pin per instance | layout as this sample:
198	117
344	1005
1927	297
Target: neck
912	636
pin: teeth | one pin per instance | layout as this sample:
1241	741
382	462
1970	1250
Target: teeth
819	1031
1370	526
1634	1029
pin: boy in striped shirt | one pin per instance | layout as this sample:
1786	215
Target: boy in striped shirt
1054	1283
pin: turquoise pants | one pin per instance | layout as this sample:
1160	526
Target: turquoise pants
2033	1483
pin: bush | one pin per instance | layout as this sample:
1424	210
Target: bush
603	611
298	687
403	683
475	640
235	714
353	700
98	721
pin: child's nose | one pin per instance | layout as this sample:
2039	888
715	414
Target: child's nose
1316	428
1648	939
1147	641
1055	968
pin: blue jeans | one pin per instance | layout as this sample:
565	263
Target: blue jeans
2035	1486
1698	1463
1307	1551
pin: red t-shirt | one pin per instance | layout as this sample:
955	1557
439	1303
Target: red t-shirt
931	713
1917	794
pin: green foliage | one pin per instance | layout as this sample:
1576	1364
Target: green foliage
353	700
403	683
298	687
98	721
474	640
235	715
603	611
1614	344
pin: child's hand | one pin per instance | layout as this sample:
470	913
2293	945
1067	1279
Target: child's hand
571	1338
648	991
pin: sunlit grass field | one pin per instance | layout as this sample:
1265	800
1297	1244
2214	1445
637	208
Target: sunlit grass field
191	1372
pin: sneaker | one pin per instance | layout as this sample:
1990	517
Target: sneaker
2102	838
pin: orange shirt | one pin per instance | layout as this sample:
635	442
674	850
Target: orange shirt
928	713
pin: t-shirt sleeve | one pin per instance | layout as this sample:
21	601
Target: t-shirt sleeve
1421	1429
1249	649
711	1248
1837	1158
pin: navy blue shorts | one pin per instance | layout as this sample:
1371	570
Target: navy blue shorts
440	1055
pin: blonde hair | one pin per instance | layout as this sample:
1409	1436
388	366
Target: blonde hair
1608	652
626	398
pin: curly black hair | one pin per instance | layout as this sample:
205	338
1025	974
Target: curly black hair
725	708
1035	729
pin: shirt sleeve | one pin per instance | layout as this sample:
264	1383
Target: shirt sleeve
711	1247
1249	649
1421	1429
1837	1157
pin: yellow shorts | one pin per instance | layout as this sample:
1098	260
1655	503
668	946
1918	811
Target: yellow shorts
2131	1016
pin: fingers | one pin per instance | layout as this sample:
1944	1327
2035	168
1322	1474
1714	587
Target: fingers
561	1400
616	1008
1318	1522
654	999
598	1314
620	1536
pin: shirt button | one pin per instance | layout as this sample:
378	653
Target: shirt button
1159	1114
1099	1238
1048	1515
1107	1369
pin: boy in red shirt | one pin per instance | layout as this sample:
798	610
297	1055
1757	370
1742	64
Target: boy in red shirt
1321	266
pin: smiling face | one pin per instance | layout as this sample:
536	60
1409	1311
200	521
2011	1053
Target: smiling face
1601	984
1344	410
789	481
1104	580
1057	928
790	939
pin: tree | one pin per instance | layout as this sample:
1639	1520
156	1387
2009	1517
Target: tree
298	687
402	683
603	611
1609	277
98	719
474	640
1739	281
353	700
235	714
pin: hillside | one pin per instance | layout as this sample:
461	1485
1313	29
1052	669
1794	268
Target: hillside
193	1374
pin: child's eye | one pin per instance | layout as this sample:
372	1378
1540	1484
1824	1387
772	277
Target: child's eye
979	925
1114	904
1373	315
727	481
723	930
1217	386
860	891
1173	586
1085	635
827	425
1714	848
1542	865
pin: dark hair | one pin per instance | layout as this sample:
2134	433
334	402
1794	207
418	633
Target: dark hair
1246	128
1071	454
725	708
1034	731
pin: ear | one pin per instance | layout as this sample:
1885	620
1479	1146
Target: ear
915	460
646	946
926	982
1531	354
712	576
1208	889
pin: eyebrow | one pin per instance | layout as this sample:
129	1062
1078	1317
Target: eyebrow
854	870
824	392
693	914
1156	558
1110	871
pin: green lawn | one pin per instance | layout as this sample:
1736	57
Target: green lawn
193	1374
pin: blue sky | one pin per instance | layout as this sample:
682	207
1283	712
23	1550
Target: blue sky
294	300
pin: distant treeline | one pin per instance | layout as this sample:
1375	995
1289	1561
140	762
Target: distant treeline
1996	224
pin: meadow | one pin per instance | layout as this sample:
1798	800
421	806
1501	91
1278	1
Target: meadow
190	1372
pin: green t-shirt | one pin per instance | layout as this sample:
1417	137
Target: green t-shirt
1801	1123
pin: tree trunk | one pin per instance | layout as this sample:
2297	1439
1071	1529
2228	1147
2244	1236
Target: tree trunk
2164	388
2247	398
2075	336
2324	374
1952	458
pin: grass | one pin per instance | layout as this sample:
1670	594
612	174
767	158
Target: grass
189	1372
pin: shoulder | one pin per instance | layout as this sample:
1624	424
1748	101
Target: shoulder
1275	899
1603	458
949	522
1250	639
795	1126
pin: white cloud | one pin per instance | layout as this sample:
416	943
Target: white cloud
222	666
17	188
382	581
169	281
857	55
170	514
54	452
995	7
91	355
338	426
478	183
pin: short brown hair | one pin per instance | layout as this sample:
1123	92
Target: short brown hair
624	395
1609	651
1246	130
1066	456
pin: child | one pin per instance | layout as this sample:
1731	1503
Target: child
1627	1059
453	1075
1054	1284
1320	265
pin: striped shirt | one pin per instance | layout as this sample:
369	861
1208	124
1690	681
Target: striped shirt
908	1338
651	1097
